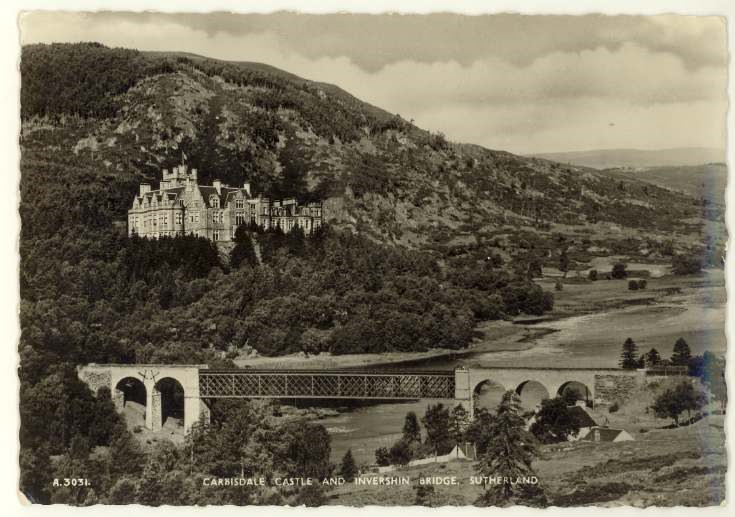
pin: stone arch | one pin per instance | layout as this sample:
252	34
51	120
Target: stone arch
487	394
131	391
577	391
168	403
531	393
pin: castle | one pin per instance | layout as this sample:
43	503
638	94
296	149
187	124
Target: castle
182	206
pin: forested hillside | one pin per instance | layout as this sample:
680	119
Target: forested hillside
424	238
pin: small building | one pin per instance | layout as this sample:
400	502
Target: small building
583	420
607	434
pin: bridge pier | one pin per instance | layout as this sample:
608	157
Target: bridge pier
463	390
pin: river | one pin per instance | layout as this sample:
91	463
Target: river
591	340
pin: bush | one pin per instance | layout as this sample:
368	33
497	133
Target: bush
619	271
614	407
632	285
592	275
642	283
382	457
400	453
686	264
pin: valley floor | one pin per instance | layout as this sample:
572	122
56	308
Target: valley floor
665	467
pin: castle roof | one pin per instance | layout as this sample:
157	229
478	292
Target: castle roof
224	192
174	193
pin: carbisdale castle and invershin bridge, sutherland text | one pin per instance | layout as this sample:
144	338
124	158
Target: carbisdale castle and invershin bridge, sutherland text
181	206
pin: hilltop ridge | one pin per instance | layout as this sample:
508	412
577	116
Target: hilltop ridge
133	113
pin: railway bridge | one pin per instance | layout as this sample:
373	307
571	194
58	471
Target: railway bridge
161	388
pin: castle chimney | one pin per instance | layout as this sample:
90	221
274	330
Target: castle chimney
145	188
194	174
165	174
246	187
217	184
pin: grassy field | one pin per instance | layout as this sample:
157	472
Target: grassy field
663	467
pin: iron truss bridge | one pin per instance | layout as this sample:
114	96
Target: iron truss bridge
325	384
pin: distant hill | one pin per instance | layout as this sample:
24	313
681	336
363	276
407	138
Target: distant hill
707	181
617	158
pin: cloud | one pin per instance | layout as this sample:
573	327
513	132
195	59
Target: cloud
374	41
526	84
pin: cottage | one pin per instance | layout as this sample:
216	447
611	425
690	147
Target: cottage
607	434
584	421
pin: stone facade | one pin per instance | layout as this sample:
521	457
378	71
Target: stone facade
187	376
96	379
182	206
617	387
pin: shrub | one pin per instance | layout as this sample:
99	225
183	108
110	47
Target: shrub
382	456
614	407
619	271
686	264
632	285
642	284
592	275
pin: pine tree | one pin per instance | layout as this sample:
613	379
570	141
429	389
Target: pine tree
459	421
411	428
436	423
682	353
509	455
349	468
629	357
243	252
653	357
564	262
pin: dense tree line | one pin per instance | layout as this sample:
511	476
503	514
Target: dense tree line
243	439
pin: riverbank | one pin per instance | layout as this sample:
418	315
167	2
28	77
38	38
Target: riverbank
496	336
577	307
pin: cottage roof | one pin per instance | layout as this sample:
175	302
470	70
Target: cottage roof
606	434
582	418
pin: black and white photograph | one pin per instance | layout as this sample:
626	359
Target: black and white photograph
350	259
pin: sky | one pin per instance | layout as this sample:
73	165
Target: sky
526	84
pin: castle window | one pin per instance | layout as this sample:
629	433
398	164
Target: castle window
215	235
221	217
214	201
179	218
239	203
